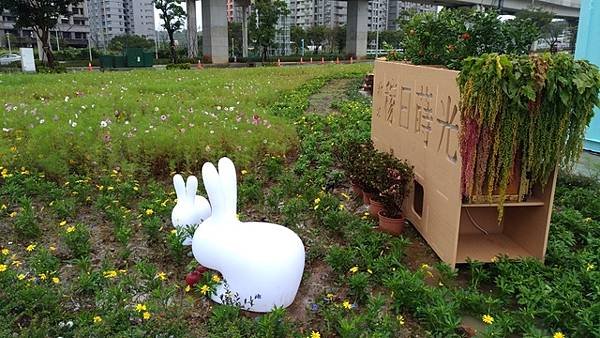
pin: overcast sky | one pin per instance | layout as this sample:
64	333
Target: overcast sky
158	22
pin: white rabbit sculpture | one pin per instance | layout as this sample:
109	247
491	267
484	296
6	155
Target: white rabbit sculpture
190	209
255	258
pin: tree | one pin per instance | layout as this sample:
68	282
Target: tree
122	42
340	38
262	21
234	32
41	16
297	34
552	33
540	17
172	15
316	36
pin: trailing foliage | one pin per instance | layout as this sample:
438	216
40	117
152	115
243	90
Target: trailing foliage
524	114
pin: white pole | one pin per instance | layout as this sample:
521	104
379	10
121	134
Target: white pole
8	39
156	42
57	43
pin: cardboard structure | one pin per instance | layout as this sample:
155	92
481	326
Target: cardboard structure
416	117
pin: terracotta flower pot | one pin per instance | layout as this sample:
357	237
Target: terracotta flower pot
357	189
367	197
393	226
375	207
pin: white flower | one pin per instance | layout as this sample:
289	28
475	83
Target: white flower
103	124
66	99
156	109
218	107
42	121
73	124
212	131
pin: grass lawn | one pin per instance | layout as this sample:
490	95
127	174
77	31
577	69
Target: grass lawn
87	248
146	121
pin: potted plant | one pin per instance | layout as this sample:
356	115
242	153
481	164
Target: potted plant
394	187
380	164
370	165
355	157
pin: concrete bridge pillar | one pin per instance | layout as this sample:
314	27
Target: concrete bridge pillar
356	28
215	47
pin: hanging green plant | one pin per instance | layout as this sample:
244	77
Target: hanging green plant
521	116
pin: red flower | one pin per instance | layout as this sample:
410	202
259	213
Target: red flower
466	36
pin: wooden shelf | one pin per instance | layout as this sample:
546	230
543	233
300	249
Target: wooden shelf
484	248
529	203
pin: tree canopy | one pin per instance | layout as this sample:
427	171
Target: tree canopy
172	15
122	42
41	16
262	22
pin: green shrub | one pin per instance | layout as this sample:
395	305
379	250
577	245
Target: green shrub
77	239
180	66
25	223
449	36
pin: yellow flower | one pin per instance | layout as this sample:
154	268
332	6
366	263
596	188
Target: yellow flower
346	305
400	319
13	214
70	229
146	315
52	248
30	247
204	289
16	263
3	267
425	266
330	296
55	280
558	334
317	200
590	267
43	276
5	252
187	288
20	276
315	334
354	269
97	319
244	172
62	223
149	212
216	278
174	232
487	319
140	307
341	207
370	271
110	274
161	276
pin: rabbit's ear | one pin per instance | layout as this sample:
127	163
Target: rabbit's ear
213	186
229	182
191	188
179	187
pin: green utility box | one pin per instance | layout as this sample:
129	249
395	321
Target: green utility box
135	57
107	61
148	60
120	61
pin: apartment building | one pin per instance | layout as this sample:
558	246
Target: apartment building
111	18
72	31
383	14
